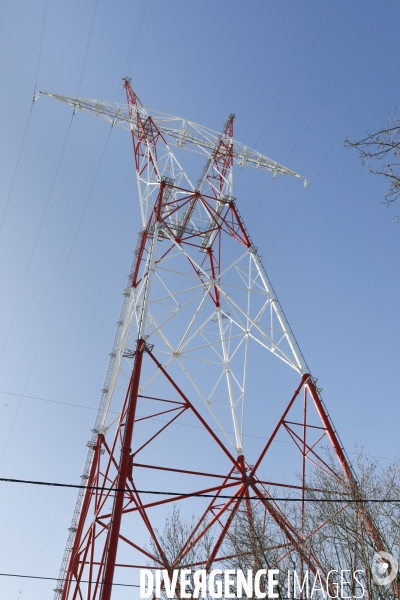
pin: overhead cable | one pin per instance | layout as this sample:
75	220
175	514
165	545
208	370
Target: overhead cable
312	119
326	157
64	580
27	123
340	76
87	46
197	495
296	72
214	429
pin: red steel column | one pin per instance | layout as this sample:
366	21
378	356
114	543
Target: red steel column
74	557
115	524
373	530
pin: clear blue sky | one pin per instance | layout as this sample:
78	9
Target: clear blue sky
304	75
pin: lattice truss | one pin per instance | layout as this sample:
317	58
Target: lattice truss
199	316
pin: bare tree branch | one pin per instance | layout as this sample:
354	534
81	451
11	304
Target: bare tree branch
380	152
334	534
343	542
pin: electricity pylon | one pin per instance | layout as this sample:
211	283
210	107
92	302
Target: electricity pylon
200	336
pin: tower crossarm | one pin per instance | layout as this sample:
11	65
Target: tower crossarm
178	132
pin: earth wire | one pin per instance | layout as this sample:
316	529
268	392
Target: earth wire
27	124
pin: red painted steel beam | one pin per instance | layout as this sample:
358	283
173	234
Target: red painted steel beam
73	560
372	528
279	424
115	525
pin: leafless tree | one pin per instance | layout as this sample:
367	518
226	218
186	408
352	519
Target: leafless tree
255	543
343	543
380	152
175	549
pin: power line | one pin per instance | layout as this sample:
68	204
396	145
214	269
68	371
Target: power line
62	277
297	72
56	269
27	123
340	76
319	108
80	222
57	292
40	47
36	239
39	231
329	154
57	169
313	117
52	401
137	36
64	580
196	495
87	46
215	430
286	91
323	162
132	52
49	536
82	216
26	277
56	173
38	234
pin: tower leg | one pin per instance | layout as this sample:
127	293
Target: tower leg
115	524
74	558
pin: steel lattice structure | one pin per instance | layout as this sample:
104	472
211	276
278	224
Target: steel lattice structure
198	307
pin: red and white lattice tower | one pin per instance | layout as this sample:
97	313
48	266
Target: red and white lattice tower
200	337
